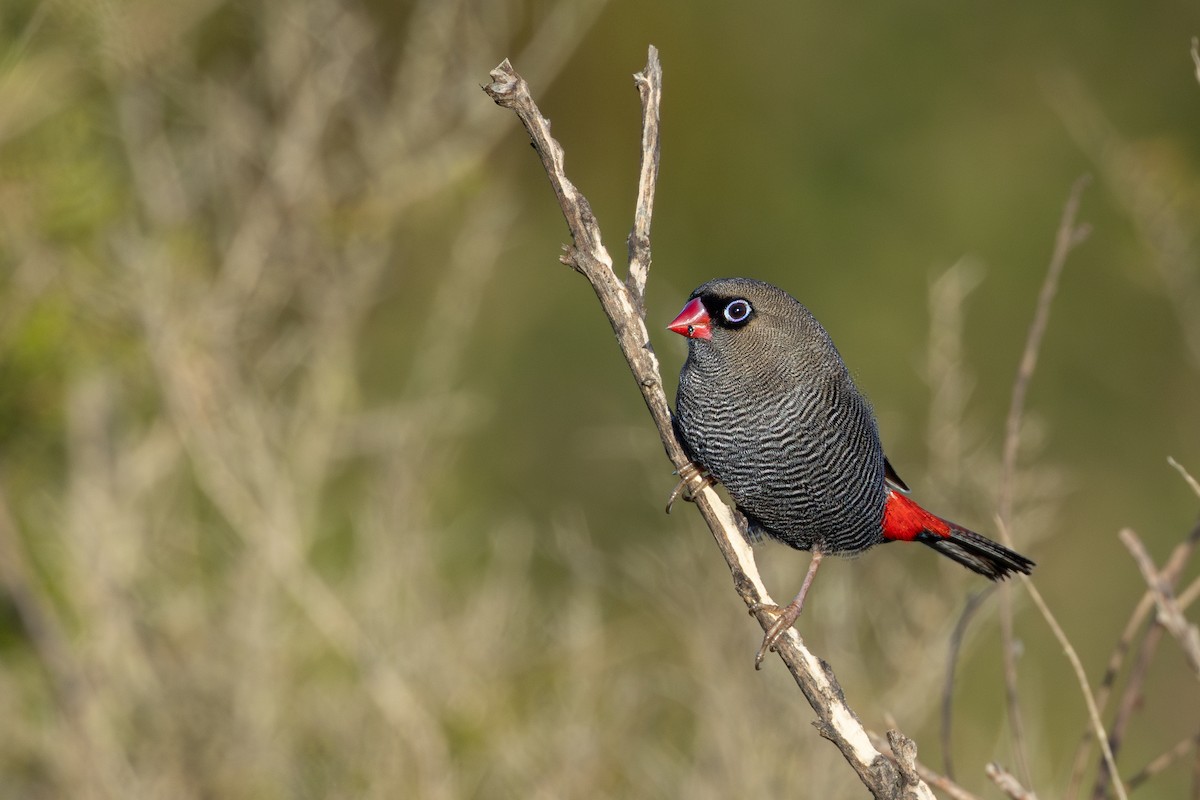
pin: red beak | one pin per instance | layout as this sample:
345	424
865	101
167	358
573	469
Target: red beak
693	322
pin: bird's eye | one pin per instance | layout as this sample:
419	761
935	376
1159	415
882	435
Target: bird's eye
737	311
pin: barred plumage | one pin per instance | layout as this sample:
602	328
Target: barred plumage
767	406
774	415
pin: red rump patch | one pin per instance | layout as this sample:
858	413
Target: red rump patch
904	520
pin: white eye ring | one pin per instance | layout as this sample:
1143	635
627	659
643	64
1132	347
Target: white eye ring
737	311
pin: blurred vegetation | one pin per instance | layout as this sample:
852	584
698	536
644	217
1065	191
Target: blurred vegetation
320	478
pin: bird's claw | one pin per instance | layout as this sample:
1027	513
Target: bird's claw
787	614
692	479
774	632
770	608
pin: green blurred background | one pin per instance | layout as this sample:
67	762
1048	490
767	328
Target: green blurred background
320	477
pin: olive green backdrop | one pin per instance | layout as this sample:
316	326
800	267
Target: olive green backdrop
322	478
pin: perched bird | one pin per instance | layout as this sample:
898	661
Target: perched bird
767	407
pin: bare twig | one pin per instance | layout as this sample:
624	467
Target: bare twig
1169	614
1131	698
1170	572
904	752
956	640
1128	705
1081	676
940	782
835	720
950	388
34	608
1008	783
1189	595
649	85
1165	760
1187	476
1068	237
50	642
1196	56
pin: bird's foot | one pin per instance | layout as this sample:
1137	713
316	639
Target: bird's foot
692	479
787	614
786	619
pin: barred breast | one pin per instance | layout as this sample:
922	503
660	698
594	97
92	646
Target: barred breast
804	465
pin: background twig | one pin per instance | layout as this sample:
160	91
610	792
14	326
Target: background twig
943	783
1169	614
1158	764
1008	783
1170	572
956	640
1068	237
1080	676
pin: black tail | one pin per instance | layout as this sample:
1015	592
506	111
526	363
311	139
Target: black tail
977	553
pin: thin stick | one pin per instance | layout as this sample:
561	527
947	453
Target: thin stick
1131	698
1169	614
1068	237
1189	595
1187	476
1116	661
1081	677
1163	761
1170	572
943	783
835	720
649	85
956	639
1130	702
1008	783
35	609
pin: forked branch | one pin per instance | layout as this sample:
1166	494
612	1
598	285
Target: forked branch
622	304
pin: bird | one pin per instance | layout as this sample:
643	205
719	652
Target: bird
767	408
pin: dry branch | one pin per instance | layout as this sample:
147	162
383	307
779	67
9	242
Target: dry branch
622	305
1008	783
1161	762
943	783
956	641
1069	236
1170	572
649	84
1169	614
1081	676
1187	476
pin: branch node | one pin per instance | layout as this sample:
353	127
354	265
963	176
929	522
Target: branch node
1169	615
1007	783
905	751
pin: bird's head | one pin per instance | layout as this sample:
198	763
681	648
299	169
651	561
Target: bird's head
727	310
753	325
